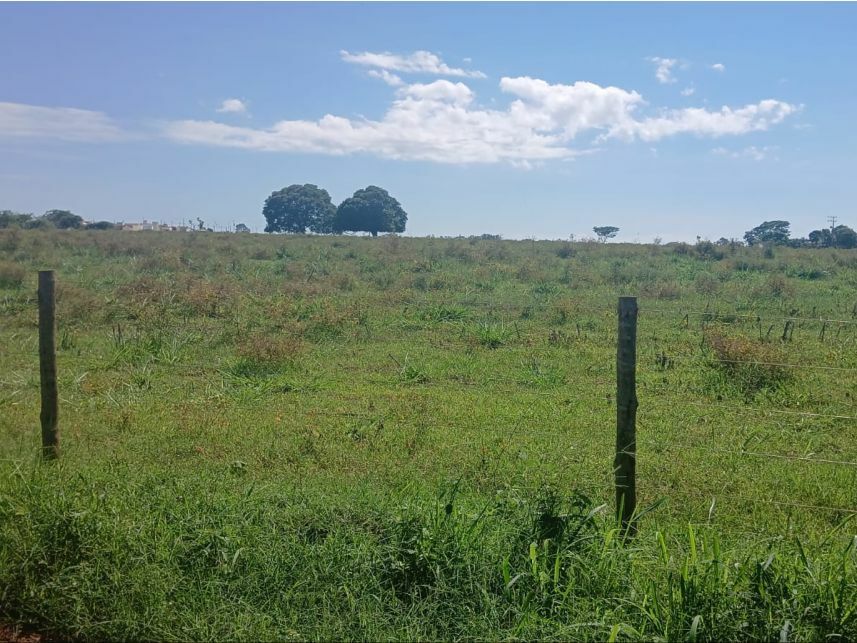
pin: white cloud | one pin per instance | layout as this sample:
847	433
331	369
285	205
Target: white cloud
664	69
442	122
688	91
391	79
233	106
63	123
752	152
419	62
718	67
702	122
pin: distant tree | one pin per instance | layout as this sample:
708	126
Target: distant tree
299	208
200	224
839	237
63	219
844	237
605	232
820	238
37	223
371	209
774	233
100	225
241	228
10	219
722	241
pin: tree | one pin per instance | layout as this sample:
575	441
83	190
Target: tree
820	238
839	237
37	223
10	219
63	219
844	237
774	233
298	208
241	227
100	225
371	209
605	232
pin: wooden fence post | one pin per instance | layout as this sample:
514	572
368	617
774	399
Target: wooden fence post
626	414
48	365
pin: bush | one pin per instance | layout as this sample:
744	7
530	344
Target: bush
565	250
11	275
750	365
269	349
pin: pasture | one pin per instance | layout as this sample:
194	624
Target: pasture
275	437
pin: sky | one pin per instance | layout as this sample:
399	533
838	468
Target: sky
540	121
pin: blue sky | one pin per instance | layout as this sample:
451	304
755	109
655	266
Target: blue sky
526	120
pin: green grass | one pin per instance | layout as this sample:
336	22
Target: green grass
314	438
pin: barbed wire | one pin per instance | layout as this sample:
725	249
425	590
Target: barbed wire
713	498
741	409
704	358
705	448
791	504
753	317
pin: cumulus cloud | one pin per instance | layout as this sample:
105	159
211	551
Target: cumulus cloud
443	122
664	69
232	106
419	62
391	79
718	67
63	123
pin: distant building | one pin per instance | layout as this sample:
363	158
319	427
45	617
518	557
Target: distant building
151	225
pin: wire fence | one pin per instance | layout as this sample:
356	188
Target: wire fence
529	343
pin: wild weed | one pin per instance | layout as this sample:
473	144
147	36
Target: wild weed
750	365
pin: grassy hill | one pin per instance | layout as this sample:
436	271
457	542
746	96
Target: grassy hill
339	437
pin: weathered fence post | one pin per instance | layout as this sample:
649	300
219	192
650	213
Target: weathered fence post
48	365
626	414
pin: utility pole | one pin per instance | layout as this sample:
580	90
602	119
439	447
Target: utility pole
832	220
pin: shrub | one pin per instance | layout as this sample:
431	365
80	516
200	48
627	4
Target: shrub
492	335
775	286
565	250
750	365
669	291
11	275
707	250
707	284
269	349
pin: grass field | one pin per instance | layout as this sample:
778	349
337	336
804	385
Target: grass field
340	437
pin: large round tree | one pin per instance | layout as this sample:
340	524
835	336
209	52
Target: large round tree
298	208
371	209
63	219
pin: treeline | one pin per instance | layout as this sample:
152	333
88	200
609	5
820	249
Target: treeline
61	219
302	208
776	233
